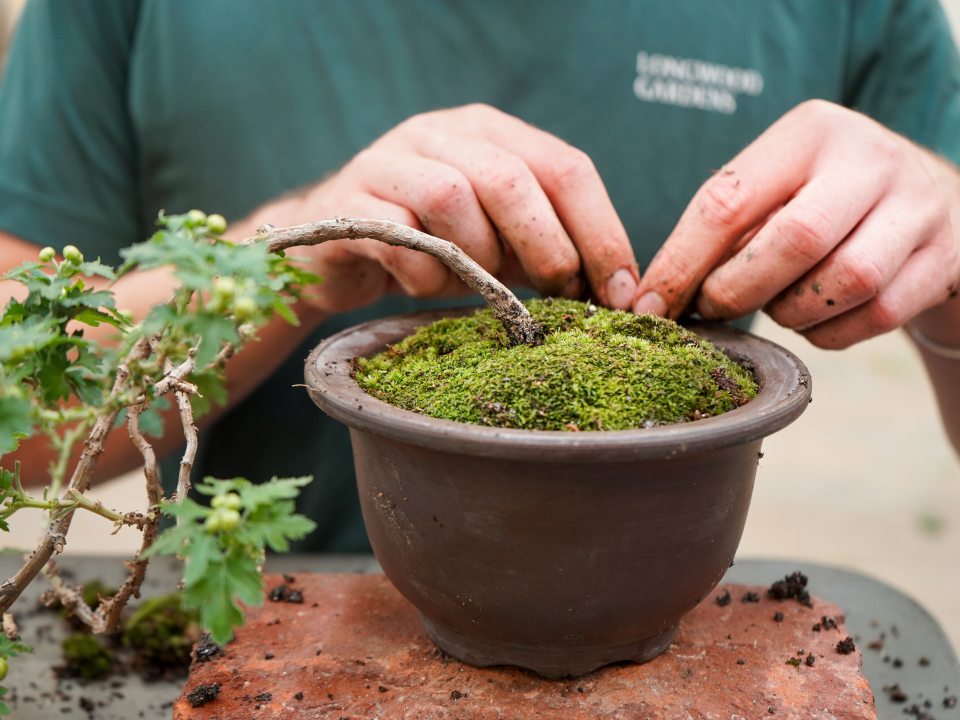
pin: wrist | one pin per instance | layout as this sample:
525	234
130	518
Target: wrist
937	330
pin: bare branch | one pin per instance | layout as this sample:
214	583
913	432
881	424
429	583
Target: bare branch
55	537
506	307
10	628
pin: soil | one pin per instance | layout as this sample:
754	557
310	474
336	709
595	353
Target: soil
202	694
846	646
597	369
792	587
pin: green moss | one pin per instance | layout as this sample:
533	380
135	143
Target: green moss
598	369
85	657
161	632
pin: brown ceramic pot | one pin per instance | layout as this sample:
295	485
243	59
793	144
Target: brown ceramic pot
555	551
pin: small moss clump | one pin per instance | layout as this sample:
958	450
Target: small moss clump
162	633
597	369
85	657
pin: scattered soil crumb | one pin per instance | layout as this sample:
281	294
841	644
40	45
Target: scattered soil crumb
203	694
792	587
846	646
206	649
284	593
724	599
750	597
895	693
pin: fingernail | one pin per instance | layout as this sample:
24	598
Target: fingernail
650	303
621	287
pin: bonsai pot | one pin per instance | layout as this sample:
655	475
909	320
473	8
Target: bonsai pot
555	551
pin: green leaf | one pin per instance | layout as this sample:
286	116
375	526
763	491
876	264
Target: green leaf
95	267
95	317
151	419
275	526
16	422
214	331
26	338
229	579
254	496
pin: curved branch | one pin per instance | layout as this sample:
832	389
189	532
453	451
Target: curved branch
506	307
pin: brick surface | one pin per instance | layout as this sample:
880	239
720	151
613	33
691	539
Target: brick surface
354	649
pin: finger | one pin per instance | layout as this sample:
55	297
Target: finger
439	195
907	295
518	207
857	271
791	242
735	199
581	202
416	273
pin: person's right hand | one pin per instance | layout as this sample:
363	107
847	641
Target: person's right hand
527	206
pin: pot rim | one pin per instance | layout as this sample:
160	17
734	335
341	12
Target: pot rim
785	390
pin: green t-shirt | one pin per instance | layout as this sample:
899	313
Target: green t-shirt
110	111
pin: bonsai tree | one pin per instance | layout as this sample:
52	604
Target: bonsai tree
57	383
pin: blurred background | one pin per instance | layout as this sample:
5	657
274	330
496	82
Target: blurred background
865	479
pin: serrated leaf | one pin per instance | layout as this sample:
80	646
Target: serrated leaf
254	496
283	310
16	423
95	318
95	267
229	579
88	299
214	331
275	529
25	338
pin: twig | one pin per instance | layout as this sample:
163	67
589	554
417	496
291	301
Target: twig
55	537
10	628
506	307
189	430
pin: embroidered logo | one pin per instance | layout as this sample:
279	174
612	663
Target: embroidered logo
690	83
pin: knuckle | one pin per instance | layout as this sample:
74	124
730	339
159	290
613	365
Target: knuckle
506	174
557	269
806	232
816	110
723	298
571	168
884	316
862	276
447	194
722	200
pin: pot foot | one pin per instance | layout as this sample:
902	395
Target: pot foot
553	662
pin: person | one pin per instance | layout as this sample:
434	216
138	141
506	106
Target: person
557	144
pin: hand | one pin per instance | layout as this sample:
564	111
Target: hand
838	227
524	204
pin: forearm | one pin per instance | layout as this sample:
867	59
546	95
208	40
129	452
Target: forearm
941	325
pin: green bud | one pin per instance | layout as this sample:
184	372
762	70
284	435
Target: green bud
213	523
244	308
229	519
4	666
72	254
196	218
227	501
47	254
217	223
225	287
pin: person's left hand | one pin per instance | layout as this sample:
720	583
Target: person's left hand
836	226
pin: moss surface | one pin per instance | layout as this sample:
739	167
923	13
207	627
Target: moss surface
598	369
162	633
85	657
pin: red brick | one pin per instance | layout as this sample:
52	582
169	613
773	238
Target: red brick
376	662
